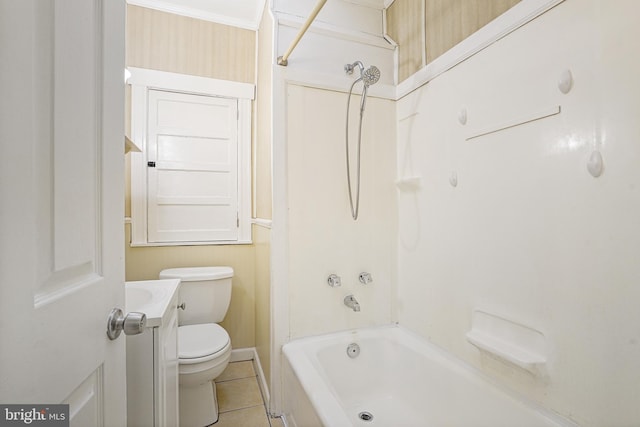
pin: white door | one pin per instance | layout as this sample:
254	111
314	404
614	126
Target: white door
192	169
61	206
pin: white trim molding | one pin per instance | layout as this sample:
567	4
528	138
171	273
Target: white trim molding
190	84
141	81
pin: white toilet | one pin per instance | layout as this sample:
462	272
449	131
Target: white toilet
204	348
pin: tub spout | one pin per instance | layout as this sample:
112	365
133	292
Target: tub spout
350	301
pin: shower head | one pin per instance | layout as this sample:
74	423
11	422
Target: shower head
370	76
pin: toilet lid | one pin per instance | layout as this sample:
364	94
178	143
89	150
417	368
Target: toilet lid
195	341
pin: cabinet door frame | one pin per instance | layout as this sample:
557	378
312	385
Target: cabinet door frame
141	81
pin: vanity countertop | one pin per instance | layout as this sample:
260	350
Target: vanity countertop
152	297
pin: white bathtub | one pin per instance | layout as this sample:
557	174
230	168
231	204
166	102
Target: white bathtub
400	380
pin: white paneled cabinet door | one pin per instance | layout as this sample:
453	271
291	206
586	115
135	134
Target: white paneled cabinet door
61	206
192	168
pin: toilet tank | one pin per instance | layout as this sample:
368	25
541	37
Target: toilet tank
205	291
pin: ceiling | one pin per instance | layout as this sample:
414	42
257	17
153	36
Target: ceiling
239	13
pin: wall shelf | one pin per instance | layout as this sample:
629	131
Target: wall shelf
513	342
410	183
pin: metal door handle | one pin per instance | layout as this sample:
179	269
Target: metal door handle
132	324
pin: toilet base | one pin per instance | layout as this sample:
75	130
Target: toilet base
198	405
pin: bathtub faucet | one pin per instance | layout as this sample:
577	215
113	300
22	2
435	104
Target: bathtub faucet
350	301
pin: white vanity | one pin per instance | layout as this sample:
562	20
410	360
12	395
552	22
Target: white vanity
152	357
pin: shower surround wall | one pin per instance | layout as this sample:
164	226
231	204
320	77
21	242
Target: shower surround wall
323	237
528	234
309	152
313	234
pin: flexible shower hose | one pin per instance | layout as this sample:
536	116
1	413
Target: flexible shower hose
354	211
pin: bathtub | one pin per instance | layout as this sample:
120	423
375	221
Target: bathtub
398	380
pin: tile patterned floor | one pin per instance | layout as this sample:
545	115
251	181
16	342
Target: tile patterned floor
240	401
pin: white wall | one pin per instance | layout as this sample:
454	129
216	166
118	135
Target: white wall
528	233
323	237
313	234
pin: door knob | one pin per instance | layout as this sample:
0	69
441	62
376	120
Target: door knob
132	324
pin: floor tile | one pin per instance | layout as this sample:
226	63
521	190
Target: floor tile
237	394
237	370
254	416
276	422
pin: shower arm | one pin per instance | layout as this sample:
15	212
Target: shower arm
348	68
283	60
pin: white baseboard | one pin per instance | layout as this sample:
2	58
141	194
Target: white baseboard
242	354
262	381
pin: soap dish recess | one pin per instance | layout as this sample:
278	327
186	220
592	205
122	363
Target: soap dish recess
513	342
410	183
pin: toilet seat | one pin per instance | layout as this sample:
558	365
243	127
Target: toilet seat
202	342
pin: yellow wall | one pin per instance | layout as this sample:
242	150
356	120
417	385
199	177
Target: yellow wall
143	263
446	23
404	25
173	43
167	42
264	96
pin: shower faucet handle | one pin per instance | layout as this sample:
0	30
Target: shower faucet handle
334	280
365	278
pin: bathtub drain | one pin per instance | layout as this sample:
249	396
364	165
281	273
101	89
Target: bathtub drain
365	416
353	350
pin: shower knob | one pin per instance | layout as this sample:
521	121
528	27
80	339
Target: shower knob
365	278
334	280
